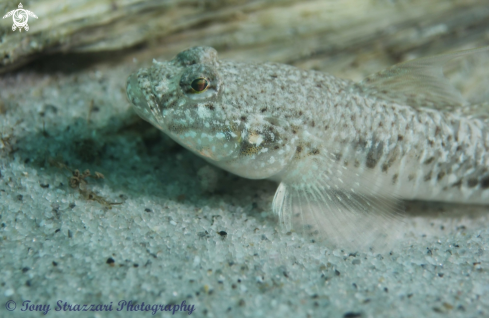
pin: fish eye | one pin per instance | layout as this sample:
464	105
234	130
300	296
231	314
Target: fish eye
200	82
199	85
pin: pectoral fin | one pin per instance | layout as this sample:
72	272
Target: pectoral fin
323	198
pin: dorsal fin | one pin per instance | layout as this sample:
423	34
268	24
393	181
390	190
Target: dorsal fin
418	83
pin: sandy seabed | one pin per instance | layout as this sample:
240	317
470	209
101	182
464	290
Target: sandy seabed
153	232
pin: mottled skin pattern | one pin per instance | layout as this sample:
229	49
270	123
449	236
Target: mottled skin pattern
274	121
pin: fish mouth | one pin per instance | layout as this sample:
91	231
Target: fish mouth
139	93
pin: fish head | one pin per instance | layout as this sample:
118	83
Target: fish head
190	98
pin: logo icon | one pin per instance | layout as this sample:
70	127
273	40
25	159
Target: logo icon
20	17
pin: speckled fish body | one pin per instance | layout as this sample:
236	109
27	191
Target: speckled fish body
342	151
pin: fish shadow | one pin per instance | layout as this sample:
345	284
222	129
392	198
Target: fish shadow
137	161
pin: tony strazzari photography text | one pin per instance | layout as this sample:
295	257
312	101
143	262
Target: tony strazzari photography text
122	305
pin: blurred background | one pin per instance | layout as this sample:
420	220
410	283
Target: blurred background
349	38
